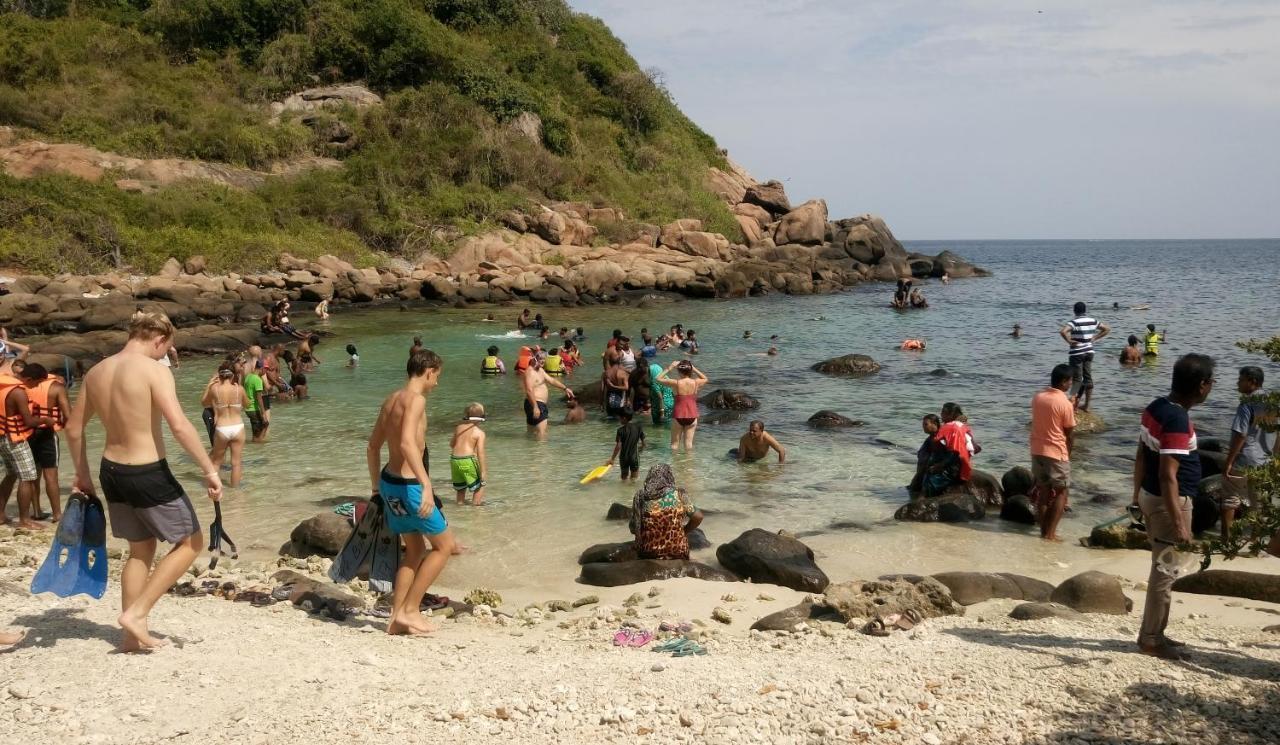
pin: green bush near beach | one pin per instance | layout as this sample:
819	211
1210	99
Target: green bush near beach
195	78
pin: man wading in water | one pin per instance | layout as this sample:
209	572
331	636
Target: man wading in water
130	393
405	488
535	381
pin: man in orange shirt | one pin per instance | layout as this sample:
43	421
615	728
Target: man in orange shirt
1053	417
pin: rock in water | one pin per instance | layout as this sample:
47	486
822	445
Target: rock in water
727	399
618	511
615	574
1018	509
1118	535
771	557
1017	480
698	540
868	598
1037	611
984	486
829	419
1093	592
1250	585
1088	423
322	535
609	552
850	365
955	506
968	588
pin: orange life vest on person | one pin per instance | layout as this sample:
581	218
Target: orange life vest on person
15	428
955	435
42	404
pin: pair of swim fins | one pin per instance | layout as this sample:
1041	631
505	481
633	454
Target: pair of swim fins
371	548
218	536
77	561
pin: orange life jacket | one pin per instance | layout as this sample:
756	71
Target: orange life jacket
15	428
42	404
956	437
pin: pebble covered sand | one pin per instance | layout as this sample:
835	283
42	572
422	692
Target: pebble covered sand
242	674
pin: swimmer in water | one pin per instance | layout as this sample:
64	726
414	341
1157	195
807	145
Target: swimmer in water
1017	331
912	345
746	334
1132	354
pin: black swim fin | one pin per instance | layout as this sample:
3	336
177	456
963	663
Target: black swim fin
218	536
357	552
77	560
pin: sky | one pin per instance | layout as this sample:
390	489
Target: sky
987	119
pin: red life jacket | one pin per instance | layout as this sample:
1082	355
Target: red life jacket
42	404
954	435
15	428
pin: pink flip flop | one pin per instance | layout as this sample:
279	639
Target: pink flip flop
632	638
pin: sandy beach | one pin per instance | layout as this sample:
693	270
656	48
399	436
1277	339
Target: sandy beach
242	674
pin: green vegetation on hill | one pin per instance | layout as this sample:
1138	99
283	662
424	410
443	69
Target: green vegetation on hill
195	78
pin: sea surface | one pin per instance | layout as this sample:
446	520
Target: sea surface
838	488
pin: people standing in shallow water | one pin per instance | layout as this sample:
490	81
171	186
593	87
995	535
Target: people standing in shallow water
1131	355
1053	418
617	384
145	503
685	410
492	364
468	465
918	300
524	320
1152	340
662	516
228	400
405	488
535	382
1166	476
756	444
1080	333
661	397
628	442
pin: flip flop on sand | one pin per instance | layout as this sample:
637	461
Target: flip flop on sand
632	638
875	627
433	602
908	620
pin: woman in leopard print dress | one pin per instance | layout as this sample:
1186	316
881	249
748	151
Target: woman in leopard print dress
662	516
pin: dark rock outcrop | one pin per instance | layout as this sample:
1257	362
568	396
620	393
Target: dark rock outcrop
609	553
849	365
1018	509
790	618
729	399
1017	480
1231	583
1093	592
861	599
830	420
772	558
321	535
618	511
955	506
321	597
968	588
615	574
984	486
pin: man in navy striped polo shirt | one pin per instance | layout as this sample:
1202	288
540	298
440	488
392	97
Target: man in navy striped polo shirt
1080	334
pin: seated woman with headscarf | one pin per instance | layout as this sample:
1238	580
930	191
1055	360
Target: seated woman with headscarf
662	516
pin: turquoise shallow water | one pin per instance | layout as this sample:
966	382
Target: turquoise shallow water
1208	295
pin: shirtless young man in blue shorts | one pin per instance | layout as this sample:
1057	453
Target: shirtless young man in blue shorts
405	488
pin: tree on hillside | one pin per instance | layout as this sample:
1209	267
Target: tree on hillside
1259	529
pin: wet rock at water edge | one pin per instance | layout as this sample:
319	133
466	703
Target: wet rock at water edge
774	558
849	365
645	570
830	420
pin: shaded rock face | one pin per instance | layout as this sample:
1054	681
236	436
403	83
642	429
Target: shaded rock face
615	574
322	535
1118	535
768	557
984	486
829	420
850	365
1017	480
728	399
1093	592
957	505
1038	611
862	599
968	588
1018	509
618	511
805	225
1250	585
770	195
609	553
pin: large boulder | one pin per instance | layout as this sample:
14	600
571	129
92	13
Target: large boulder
1230	583
615	574
102	316
1038	611
805	225
829	420
969	588
861	599
1118	535
790	619
617	510
771	195
728	399
1017	480
321	535
1093	592
609	553
956	505
849	365
773	558
984	486
1018	509
1088	423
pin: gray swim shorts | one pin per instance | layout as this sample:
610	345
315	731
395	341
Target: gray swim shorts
146	502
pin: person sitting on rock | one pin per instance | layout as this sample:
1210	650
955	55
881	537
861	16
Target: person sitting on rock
930	424
956	437
662	516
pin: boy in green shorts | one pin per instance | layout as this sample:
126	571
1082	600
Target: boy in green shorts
467	462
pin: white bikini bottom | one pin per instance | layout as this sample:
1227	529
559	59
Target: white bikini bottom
230	431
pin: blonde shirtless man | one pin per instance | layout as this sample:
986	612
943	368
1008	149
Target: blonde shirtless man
405	488
130	393
535	381
468	465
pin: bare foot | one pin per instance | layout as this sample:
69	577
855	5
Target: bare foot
9	638
458	548
136	633
407	625
1051	538
32	525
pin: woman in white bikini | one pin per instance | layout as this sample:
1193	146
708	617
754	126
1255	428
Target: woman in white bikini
227	398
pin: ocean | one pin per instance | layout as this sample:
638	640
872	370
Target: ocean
839	489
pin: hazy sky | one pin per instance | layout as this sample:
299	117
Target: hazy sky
987	118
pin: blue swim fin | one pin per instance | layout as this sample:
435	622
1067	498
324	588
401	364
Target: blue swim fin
77	560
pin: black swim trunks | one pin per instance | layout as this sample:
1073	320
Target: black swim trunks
44	448
257	424
146	502
529	416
